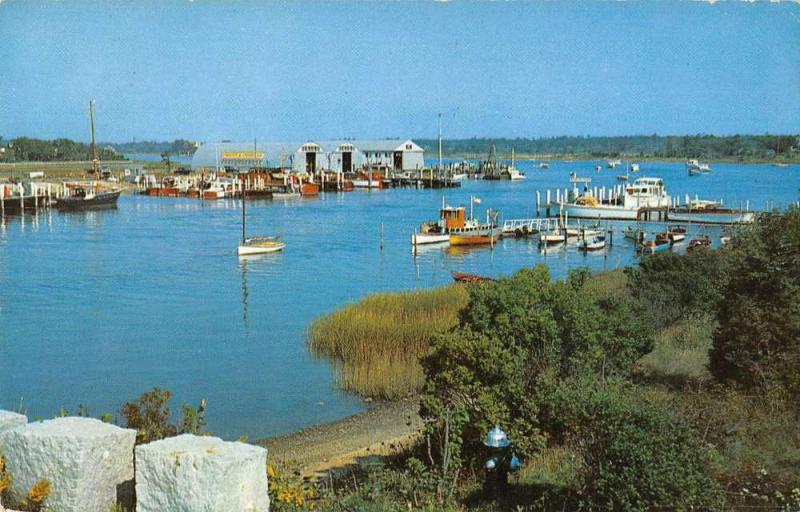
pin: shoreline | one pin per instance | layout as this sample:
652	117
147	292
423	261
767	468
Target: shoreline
383	429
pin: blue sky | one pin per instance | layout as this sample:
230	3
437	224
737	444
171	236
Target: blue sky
213	70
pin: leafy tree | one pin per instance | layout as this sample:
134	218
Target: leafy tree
757	343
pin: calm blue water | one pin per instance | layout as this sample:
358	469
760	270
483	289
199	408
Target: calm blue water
98	307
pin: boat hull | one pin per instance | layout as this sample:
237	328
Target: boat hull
422	239
599	212
101	200
699	217
249	250
481	238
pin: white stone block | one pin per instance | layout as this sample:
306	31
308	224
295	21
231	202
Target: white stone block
84	459
190	473
10	420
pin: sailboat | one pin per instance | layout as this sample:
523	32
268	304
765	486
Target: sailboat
82	196
256	244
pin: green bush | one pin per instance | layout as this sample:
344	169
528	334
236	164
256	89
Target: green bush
672	286
516	338
757	342
635	455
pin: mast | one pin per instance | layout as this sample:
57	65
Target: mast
244	210
440	142
95	165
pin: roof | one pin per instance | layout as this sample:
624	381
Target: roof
207	154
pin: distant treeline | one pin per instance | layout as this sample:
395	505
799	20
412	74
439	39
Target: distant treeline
25	149
735	147
176	147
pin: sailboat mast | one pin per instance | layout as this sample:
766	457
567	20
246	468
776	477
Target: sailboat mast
440	142
95	165
244	214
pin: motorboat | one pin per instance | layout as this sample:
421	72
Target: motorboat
595	243
709	212
643	193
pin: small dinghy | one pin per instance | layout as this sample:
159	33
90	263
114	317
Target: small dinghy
595	243
256	244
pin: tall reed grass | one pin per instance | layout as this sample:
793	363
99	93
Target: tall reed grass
376	343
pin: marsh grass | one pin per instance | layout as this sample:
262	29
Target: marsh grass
376	343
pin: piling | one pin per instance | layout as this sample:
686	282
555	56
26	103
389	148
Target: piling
381	235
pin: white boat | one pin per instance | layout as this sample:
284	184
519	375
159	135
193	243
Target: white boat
461	176
614	163
256	244
595	243
695	167
642	193
451	220
515	175
634	167
544	165
260	245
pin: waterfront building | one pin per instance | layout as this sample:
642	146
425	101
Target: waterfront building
389	155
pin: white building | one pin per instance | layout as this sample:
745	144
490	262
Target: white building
392	155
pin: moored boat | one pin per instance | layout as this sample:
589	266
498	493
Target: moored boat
703	241
643	193
256	244
654	245
709	212
463	277
595	243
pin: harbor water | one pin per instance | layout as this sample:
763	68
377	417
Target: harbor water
98	307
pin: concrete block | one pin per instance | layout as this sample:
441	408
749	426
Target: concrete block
189	473
84	459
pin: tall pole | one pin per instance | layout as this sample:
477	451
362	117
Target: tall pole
95	165
440	142
244	209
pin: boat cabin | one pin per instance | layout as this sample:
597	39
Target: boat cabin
453	218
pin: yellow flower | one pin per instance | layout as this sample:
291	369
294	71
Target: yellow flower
270	471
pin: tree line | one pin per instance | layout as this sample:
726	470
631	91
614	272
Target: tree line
27	149
742	147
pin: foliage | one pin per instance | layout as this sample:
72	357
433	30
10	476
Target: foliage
377	342
176	147
636	454
674	286
5	478
757	342
517	338
736	147
288	491
150	416
24	149
37	495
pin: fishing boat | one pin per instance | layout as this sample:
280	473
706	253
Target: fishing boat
463	277
87	196
511	172
643	193
474	233
595	243
709	212
256	244
451	219
483	235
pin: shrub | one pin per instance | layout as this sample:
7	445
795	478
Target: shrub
757	342
37	495
672	286
516	339
635	455
150	416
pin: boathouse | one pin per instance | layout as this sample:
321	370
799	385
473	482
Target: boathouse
391	155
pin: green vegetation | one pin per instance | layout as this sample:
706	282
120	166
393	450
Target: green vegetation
176	147
669	386
25	149
149	415
376	344
707	147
